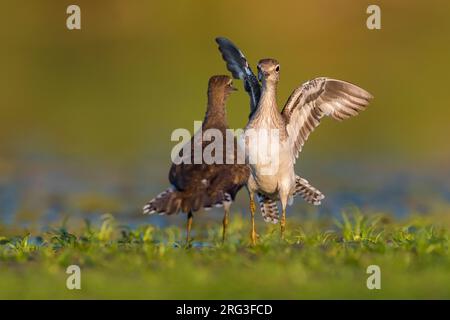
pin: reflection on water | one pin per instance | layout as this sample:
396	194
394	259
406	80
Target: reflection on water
40	191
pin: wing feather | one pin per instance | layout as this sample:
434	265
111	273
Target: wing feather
238	66
317	98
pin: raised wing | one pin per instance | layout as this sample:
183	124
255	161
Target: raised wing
238	66
317	98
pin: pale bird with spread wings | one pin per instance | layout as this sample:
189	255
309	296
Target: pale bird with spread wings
302	113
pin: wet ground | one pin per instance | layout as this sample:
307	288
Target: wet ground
42	190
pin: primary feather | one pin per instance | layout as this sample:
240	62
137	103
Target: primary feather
318	98
238	66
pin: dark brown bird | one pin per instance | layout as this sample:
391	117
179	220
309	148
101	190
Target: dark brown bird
197	186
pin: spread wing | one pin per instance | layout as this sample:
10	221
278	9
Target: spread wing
238	66
318	98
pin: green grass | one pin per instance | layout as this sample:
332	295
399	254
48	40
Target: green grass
320	258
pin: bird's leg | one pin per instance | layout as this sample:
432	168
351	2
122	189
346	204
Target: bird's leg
252	210
283	222
188	227
225	222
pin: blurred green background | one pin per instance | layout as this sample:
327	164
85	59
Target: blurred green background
138	69
86	115
85	124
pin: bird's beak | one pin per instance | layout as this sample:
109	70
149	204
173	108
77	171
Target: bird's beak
233	88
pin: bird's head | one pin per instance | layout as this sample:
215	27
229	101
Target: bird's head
219	87
268	70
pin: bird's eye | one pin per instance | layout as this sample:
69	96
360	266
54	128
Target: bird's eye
277	68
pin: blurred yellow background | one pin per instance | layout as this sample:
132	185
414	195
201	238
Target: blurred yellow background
138	69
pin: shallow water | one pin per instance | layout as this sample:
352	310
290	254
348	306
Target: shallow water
42	191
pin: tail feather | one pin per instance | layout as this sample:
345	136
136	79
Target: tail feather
218	200
164	203
307	191
269	208
172	201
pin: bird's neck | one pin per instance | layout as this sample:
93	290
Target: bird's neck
215	116
268	100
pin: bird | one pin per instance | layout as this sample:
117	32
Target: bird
200	185
301	114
